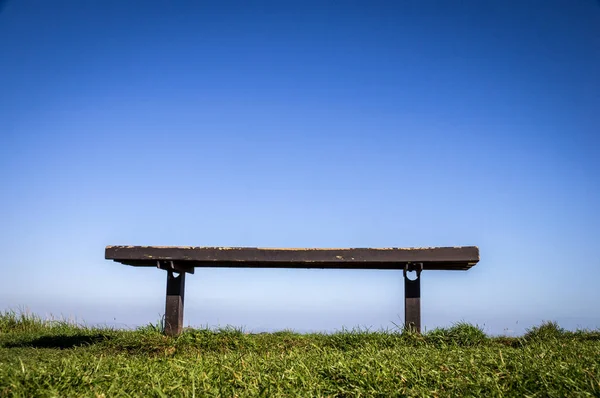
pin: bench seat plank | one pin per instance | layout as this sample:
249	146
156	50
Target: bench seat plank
433	258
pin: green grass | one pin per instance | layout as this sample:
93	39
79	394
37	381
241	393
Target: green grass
42	358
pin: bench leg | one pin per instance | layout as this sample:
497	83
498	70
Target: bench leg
412	300
174	304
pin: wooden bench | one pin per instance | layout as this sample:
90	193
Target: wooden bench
178	261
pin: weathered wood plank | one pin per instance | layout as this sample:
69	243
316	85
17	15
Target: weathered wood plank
433	258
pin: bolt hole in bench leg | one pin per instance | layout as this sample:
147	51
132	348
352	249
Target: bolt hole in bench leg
412	299
174	303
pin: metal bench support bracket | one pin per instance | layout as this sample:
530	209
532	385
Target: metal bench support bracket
174	303
412	298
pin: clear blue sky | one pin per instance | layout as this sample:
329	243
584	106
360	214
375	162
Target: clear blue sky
302	124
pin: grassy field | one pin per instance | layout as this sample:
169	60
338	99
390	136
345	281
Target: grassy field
59	359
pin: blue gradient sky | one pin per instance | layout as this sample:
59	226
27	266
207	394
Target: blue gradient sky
302	124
